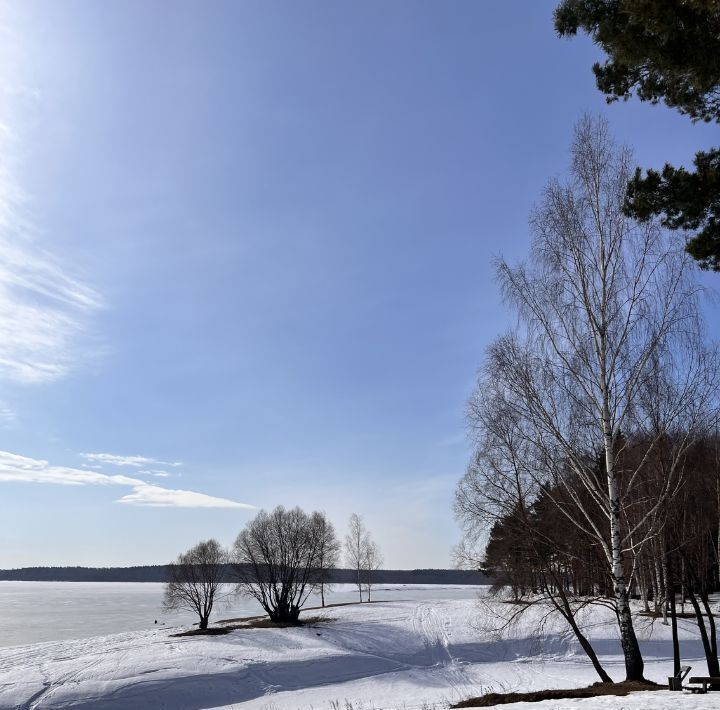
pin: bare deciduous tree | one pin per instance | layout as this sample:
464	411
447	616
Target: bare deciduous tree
362	554
500	491
355	548
276	558
328	553
195	580
372	562
610	341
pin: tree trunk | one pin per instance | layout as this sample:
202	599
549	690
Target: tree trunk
567	612
583	641
287	614
634	666
673	618
590	651
666	591
709	644
675	640
683	589
712	660
711	624
643	588
717	542
658	596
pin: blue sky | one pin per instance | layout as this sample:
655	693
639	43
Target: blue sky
251	245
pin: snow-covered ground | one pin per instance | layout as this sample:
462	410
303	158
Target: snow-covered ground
398	654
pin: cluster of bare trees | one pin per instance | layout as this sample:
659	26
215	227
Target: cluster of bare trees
362	555
279	559
592	416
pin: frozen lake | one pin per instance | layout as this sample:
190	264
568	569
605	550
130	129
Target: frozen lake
33	612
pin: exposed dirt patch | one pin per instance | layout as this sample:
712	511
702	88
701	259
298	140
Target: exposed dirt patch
241	619
264	623
252	622
244	619
591	691
211	631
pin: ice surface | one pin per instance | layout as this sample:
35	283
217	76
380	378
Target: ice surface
33	612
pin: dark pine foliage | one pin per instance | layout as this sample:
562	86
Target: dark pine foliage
663	51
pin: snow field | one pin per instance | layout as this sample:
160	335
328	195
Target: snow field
408	655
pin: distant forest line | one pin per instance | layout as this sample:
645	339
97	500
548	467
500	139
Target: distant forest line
158	573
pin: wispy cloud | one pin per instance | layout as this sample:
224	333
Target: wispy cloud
44	309
158	497
154	472
14	467
7	416
134	461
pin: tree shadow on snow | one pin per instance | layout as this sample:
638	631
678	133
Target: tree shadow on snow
210	689
367	651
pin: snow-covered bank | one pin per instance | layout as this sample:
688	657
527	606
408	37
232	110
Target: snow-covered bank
409	654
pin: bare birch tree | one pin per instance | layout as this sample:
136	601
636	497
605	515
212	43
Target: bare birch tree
355	549
372	561
195	580
499	492
609	340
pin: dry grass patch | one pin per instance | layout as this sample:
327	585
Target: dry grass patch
263	622
251	622
245	619
211	631
591	691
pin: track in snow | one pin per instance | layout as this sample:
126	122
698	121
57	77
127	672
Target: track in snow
428	624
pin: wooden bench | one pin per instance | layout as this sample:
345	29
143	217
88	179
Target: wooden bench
705	680
675	682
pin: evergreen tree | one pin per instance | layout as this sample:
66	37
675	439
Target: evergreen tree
663	51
